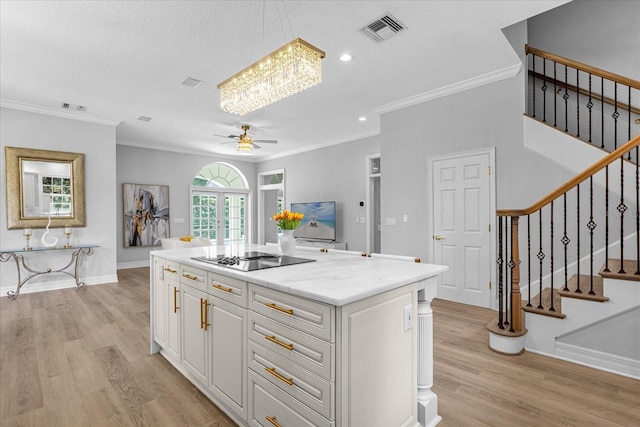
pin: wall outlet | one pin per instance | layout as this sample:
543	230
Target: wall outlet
405	218
407	317
362	221
85	264
391	221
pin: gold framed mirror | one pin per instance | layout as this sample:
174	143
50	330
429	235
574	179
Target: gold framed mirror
43	184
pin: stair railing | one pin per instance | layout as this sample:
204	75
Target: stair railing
573	237
587	102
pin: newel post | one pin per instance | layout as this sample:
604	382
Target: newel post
516	298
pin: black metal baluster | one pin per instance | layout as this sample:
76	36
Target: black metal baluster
606	220
540	258
615	115
507	293
551	308
577	103
529	259
544	90
565	241
591	226
590	106
622	208
602	111
566	101
500	272
578	291
555	97
533	84
629	120
511	267
637	213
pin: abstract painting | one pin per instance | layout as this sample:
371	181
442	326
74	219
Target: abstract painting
146	214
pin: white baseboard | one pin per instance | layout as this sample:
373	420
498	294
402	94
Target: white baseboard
29	288
599	360
134	264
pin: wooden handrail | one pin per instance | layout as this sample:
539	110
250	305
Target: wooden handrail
584	67
583	176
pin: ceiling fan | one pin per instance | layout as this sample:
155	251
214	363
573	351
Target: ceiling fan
244	141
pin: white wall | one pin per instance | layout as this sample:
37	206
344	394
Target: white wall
177	170
98	143
331	173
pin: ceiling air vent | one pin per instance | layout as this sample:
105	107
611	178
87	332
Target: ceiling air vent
383	28
144	119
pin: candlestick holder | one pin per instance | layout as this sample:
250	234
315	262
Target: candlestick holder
67	234
27	236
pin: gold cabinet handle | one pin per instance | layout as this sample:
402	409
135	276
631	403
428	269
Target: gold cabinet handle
275	340
169	269
189	276
222	288
273	372
204	314
273	421
175	300
276	307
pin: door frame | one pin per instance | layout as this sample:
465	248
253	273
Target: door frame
491	151
369	205
220	192
261	205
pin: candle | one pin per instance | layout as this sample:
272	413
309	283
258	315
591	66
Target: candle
67	230
27	232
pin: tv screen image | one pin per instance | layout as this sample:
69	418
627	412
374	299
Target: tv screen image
319	222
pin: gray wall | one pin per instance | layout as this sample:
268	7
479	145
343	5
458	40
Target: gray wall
177	170
331	173
98	144
604	34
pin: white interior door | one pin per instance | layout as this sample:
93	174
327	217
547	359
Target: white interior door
462	214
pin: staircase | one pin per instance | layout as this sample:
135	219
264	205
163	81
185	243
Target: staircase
580	245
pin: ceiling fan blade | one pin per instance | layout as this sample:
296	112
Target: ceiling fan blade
266	141
255	145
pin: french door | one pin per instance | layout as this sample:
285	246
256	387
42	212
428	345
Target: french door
220	215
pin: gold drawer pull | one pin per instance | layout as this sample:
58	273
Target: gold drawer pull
175	300
169	269
204	314
275	340
222	288
273	372
275	307
273	421
189	276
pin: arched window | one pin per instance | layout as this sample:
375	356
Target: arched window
220	204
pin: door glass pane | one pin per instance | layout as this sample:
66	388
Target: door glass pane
234	221
204	216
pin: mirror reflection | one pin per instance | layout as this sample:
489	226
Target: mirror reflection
46	189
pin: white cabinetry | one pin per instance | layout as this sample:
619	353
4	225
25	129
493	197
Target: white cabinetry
159	302
195	339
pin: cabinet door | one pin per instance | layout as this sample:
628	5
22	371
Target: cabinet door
174	316
194	332
159	303
228	379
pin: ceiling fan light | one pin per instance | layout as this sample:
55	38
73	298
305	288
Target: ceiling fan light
293	68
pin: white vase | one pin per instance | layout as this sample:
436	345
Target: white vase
287	243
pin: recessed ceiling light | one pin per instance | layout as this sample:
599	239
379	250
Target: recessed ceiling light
346	57
362	118
191	82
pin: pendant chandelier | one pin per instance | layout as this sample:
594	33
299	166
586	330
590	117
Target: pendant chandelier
293	68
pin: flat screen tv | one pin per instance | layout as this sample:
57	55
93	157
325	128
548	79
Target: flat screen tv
319	222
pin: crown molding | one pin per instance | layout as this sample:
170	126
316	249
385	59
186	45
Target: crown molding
462	86
15	105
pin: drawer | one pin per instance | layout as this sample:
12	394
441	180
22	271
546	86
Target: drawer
312	317
227	288
193	277
171	269
271	407
313	391
311	353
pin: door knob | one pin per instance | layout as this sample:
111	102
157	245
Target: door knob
438	237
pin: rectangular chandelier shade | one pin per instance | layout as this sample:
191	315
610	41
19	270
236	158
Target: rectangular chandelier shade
293	68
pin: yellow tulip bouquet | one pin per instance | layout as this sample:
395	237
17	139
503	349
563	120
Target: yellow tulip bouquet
287	220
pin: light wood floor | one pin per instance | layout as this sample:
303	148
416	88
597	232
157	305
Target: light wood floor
80	358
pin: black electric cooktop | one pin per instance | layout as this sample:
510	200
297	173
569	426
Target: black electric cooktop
250	261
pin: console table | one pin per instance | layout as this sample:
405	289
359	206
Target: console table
18	256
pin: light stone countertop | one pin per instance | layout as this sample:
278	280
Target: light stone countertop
336	278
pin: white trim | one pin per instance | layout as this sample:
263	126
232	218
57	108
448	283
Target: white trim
29	288
491	151
133	264
14	105
368	223
261	207
464	85
598	360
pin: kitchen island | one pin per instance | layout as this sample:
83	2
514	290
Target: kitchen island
341	340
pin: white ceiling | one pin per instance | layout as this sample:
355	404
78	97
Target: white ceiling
125	59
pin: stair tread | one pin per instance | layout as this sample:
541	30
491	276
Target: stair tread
630	268
544	300
585	288
492	326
